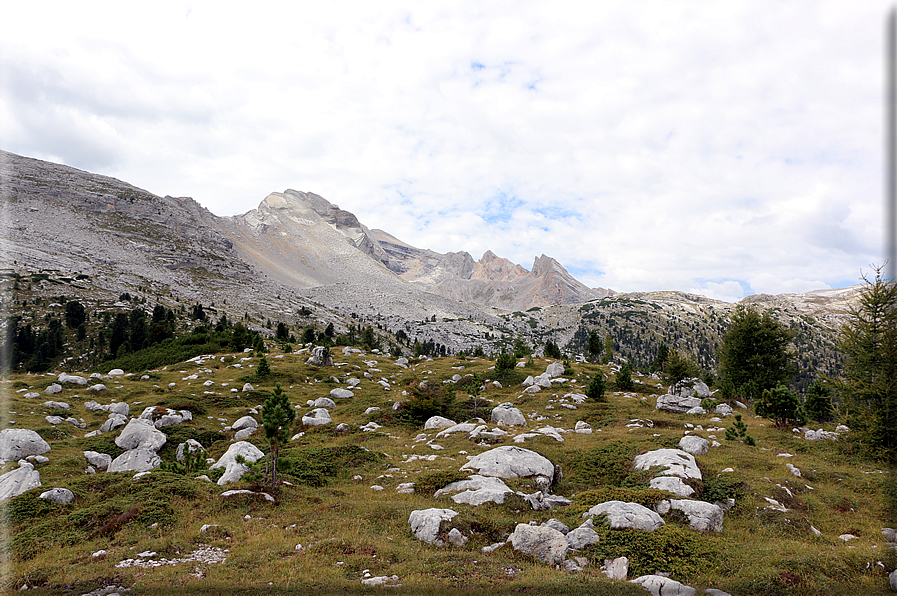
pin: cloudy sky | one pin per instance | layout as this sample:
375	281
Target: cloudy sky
724	148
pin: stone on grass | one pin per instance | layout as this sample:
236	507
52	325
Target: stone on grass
18	443
555	369
425	523
616	569
456	537
243	494
672	484
54	388
317	417
140	433
892	580
677	404
659	585
694	444
17	481
723	410
250	453
245	422
581	537
113	421
232	473
582	427
323	402
507	415
135	460
677	463
54	420
59	405
97	387
435	422
248	387
75	379
58	495
627	515
702	516
511	462
340	393
544	544
119	408
191	446
100	461
476	490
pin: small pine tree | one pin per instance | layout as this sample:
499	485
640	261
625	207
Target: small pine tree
264	369
781	405
277	418
594	345
819	402
504	364
597	386
738	432
623	380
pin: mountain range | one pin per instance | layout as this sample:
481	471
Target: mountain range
297	253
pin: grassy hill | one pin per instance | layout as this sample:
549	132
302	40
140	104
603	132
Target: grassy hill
345	527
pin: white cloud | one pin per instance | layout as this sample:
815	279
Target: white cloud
766	283
727	291
667	145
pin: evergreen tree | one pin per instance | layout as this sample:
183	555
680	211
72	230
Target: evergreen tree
504	364
868	388
678	367
753	356
623	380
597	387
594	345
819	402
659	364
780	404
277	418
608	349
75	314
552	350
264	369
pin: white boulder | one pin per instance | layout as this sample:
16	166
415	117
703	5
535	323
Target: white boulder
659	585
141	459
58	495
694	444
507	415
677	463
476	490
435	422
511	462
323	402
425	523
140	433
340	393
627	515
245	422
19	443
317	417
100	461
543	543
701	516
17	481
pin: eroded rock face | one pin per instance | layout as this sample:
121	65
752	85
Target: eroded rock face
425	523
19	443
511	462
627	515
543	543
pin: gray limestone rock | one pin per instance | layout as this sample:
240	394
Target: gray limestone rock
340	393
323	402
191	445
557	525
456	537
616	569
100	461
507	415
317	417
435	422
476	490
54	388
114	421
250	453
58	495
581	537
702	516
672	484
17	481
60	405
141	459
554	370
245	422
694	444
540	542
511	462
659	585
677	463
425	523
677	403
18	443
627	515
140	434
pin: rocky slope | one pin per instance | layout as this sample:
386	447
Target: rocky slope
96	237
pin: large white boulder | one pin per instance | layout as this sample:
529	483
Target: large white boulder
140	433
507	415
476	490
100	461
543	381
677	463
627	515
67	378
701	516
113	421
694	444
58	495
672	484
135	460
340	393
324	402
677	403
317	417
53	388
245	422
19	443
581	537
425	523
543	543
554	370
511	462
17	481
435	422
659	585
250	453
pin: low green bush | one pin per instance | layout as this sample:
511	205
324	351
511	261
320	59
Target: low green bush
677	550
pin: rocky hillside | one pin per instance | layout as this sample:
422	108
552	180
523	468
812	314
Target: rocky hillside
297	253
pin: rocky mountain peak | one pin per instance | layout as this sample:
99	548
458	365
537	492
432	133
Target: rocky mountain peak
495	268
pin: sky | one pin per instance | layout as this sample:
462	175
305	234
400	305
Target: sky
725	148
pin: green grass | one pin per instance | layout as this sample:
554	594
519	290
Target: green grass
346	527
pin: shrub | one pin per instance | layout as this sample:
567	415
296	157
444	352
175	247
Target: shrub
609	465
423	403
782	405
429	483
677	550
504	364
